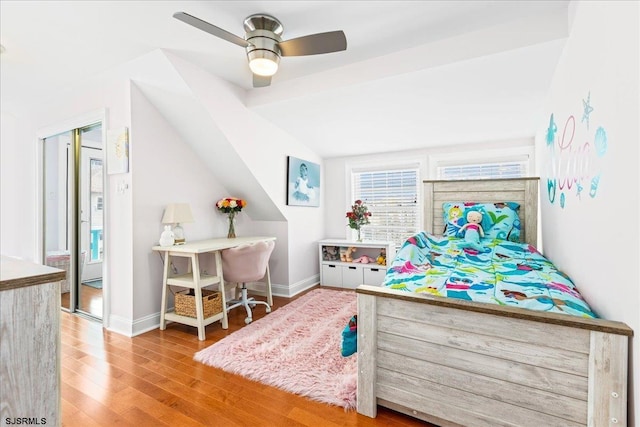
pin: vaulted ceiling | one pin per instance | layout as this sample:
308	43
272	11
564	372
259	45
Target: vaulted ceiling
415	73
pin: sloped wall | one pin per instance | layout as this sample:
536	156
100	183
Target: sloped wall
263	148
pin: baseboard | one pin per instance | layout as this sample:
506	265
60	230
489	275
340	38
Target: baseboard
120	325
146	324
130	328
301	286
284	290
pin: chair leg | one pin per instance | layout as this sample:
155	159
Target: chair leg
244	300
269	295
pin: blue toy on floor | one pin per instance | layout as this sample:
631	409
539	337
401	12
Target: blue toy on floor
350	337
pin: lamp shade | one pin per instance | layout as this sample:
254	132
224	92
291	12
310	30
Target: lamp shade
177	213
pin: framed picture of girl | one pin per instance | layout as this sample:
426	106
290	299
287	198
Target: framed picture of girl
303	182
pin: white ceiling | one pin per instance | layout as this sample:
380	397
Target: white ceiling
415	73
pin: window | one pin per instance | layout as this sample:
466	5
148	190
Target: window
392	197
513	162
515	169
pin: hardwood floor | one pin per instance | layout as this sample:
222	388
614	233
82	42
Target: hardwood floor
152	380
90	300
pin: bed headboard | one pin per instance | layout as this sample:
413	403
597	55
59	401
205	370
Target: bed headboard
521	190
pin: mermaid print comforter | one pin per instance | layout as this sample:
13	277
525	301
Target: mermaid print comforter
503	272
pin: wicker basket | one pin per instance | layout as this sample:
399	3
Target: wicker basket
186	303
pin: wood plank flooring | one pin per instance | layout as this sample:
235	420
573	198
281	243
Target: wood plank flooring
152	380
90	300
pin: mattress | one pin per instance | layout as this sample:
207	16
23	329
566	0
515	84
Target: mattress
501	272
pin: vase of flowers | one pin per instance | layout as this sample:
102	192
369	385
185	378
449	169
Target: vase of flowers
358	216
231	206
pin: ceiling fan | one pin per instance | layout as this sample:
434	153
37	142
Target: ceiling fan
265	46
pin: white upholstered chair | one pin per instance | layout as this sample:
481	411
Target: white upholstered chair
245	264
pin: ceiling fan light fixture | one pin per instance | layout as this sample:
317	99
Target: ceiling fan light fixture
263	62
264	45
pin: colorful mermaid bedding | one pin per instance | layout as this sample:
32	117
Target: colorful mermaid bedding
504	273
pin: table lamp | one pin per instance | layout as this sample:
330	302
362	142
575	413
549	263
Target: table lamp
177	213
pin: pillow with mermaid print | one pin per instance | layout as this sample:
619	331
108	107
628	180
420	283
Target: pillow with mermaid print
502	217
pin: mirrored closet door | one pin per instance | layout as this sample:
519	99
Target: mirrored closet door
73	215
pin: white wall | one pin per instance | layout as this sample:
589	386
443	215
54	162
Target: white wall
595	239
17	179
87	99
163	171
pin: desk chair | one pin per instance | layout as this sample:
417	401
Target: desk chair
248	263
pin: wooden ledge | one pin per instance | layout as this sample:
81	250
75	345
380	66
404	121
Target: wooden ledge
599	325
16	273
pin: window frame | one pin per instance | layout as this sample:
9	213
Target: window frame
484	157
384	166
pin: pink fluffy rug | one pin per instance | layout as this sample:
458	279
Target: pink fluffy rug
295	348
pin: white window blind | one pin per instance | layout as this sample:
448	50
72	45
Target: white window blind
508	169
392	199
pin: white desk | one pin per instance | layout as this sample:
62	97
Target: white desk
195	280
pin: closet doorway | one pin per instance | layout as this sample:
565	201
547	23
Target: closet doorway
74	225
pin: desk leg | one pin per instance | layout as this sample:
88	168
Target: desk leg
225	319
165	277
198	296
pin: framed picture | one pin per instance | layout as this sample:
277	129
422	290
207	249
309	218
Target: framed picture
117	151
303	182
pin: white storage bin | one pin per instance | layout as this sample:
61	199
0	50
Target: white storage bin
352	277
331	275
374	275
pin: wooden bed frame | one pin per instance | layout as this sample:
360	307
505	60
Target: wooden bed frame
459	363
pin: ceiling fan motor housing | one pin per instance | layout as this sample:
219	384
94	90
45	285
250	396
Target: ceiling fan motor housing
263	34
262	40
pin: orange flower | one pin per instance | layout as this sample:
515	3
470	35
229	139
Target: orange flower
230	204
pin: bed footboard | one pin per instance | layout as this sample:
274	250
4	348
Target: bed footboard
454	362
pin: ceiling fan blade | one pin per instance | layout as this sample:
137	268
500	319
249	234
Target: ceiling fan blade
211	29
261	81
332	41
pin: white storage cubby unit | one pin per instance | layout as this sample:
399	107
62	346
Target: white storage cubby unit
337	273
